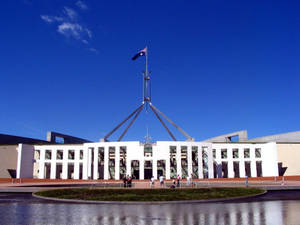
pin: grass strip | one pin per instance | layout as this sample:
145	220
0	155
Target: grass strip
149	194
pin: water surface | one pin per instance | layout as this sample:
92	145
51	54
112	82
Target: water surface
24	209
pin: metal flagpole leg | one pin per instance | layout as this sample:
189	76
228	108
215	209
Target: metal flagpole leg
170	121
158	117
120	124
133	119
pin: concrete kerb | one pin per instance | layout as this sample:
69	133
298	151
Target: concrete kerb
146	203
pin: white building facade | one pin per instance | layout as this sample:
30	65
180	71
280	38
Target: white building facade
114	160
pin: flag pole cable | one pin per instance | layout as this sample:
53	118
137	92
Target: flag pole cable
146	102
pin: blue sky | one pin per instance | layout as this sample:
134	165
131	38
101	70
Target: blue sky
217	66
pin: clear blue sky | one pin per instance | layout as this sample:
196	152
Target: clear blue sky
217	66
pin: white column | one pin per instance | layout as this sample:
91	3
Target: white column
253	163
42	164
210	162
90	163
76	163
85	164
230	163
117	163
168	167
242	163
96	175
253	168
128	166
154	168
65	164
200	163
141	169
219	162
189	160
106	160
178	159
53	164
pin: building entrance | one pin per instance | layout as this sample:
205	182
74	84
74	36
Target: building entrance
148	170
161	168
135	169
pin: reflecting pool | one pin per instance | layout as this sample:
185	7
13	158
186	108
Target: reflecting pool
24	209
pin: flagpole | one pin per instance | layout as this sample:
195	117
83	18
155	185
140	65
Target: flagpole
146	60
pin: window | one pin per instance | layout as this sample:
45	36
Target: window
71	154
148	150
81	154
235	153
48	154
246	153
224	153
214	153
59	154
37	154
257	153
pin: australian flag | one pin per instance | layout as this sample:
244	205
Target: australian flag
140	53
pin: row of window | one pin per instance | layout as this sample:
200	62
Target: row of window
59	154
235	153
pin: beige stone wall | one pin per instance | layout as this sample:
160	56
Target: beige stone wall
289	155
8	159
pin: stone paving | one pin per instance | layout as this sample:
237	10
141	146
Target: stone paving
36	185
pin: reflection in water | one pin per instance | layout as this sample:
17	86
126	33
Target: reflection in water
262	213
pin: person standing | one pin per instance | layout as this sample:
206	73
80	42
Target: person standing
188	181
161	180
125	181
152	182
129	181
178	180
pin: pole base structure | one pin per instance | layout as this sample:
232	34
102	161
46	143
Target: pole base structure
157	113
136	112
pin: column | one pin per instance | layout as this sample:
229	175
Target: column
210	162
106	160
189	160
85	164
168	166
253	168
128	166
230	163
96	175
200	163
90	163
65	164
142	162
178	159
42	164
117	163
53	164
253	163
154	168
219	163
76	163
242	163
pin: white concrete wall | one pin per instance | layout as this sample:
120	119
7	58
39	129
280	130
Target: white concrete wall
270	162
161	151
268	157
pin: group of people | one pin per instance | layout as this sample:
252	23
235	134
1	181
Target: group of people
127	180
175	182
161	181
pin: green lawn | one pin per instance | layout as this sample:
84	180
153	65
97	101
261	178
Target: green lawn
149	194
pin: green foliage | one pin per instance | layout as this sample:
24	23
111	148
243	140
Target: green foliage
149	194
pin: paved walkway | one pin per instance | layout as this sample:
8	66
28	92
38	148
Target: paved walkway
21	186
